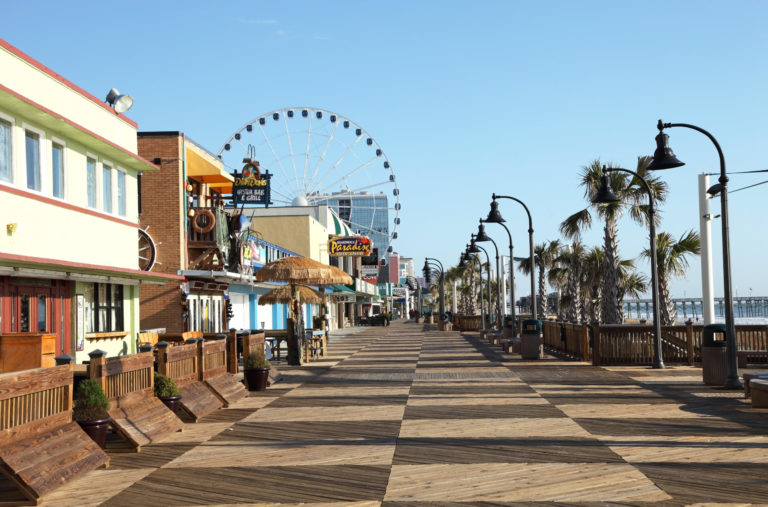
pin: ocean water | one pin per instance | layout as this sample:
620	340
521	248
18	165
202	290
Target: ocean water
744	311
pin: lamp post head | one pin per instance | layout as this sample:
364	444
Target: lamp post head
715	189
473	248
663	157
481	235
605	193
494	216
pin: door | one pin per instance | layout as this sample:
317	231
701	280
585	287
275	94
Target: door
42	308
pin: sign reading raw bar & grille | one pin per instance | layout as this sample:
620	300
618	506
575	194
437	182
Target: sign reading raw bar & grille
358	246
252	187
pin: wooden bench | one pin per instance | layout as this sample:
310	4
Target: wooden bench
213	371
759	390
750	376
180	363
137	415
751	357
40	447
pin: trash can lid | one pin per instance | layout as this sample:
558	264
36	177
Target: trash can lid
532	325
715	328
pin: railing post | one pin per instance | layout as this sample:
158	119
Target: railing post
596	344
200	342
96	368
64	359
162	358
689	341
232	363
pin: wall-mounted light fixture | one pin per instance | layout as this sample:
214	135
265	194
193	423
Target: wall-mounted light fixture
120	103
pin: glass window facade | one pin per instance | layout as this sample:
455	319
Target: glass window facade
364	214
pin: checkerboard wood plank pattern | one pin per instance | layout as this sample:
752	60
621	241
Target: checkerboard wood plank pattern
408	416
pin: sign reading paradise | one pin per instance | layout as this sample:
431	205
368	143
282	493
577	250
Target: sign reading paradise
252	187
346	246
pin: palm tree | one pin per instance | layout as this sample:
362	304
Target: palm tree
566	276
633	198
672	261
544	255
592	275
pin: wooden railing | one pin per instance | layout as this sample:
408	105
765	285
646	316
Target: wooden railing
253	343
123	375
467	322
633	344
213	358
30	395
567	339
179	362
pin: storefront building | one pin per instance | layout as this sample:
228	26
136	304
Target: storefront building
69	262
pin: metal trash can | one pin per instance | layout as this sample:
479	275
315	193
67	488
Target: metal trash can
531	342
714	360
509	327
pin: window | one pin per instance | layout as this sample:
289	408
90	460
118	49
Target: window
5	150
104	308
91	170
106	187
33	160
121	193
57	167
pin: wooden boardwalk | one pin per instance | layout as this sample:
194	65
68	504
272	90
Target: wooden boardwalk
408	416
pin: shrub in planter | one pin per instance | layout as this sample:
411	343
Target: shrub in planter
166	390
256	371
89	410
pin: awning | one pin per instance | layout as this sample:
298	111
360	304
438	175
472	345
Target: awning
340	227
34	267
204	171
341	289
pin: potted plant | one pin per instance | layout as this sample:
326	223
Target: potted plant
256	371
166	390
89	410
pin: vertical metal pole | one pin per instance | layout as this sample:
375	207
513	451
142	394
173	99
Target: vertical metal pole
705	232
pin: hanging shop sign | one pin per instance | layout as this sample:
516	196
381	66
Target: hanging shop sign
369	273
252	253
399	292
252	186
346	246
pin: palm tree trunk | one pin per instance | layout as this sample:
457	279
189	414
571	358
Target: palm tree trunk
542	302
574	295
610	299
667	308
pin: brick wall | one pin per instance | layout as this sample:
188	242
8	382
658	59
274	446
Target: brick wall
162	209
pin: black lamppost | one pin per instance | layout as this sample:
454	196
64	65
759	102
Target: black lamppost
475	248
605	195
481	237
664	158
439	267
495	217
411	282
530	246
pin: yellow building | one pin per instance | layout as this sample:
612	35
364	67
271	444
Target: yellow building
69	235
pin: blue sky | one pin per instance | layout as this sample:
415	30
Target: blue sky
465	98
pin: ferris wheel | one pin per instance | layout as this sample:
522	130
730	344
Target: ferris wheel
319	157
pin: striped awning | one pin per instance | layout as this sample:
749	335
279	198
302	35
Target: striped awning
339	227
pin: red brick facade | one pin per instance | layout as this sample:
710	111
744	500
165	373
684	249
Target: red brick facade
162	209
